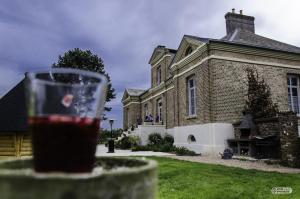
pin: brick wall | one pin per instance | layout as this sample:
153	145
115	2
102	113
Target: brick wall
221	88
170	106
229	87
131	113
200	74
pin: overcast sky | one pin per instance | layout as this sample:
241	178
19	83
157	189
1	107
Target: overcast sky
123	33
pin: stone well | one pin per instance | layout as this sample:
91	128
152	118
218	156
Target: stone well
111	178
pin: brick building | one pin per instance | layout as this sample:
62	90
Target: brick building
198	90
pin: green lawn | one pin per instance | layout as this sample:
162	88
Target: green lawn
182	179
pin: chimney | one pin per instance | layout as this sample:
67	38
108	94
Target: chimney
238	21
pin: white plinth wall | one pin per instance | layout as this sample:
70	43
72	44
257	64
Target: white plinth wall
207	139
143	131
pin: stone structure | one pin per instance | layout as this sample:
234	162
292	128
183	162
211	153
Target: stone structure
273	137
289	144
111	178
204	82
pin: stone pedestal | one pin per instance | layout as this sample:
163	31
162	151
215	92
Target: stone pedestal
111	178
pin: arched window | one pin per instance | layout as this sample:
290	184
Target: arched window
158	110
191	139
188	51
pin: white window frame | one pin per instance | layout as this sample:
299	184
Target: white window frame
158	75
290	87
159	109
191	90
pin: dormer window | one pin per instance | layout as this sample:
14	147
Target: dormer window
188	51
158	75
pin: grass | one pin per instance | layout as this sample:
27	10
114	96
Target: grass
188	180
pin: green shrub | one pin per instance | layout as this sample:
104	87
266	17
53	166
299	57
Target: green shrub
183	151
127	142
123	143
134	140
141	148
155	148
168	140
155	139
166	148
104	134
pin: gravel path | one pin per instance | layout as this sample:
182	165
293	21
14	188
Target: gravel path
245	164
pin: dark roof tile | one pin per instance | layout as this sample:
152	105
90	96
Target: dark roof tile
248	38
13	111
134	92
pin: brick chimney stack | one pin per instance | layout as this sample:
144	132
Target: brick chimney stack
238	21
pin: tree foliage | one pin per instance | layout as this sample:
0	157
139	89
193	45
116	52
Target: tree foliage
259	101
85	60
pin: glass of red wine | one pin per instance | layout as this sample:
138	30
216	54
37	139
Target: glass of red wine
64	110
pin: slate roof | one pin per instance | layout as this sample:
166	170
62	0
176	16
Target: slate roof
171	50
135	92
201	39
248	38
13	111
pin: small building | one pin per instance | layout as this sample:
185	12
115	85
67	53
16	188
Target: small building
198	90
14	135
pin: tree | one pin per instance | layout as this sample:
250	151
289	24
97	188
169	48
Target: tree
259	101
86	60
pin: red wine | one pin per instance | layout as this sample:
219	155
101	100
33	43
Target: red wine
63	143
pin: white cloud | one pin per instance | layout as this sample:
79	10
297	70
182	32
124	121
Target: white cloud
8	79
123	33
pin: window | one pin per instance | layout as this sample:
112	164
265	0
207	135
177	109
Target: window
188	51
128	119
191	138
146	110
191	96
293	90
158	75
159	111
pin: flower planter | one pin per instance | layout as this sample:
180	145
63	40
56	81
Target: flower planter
111	178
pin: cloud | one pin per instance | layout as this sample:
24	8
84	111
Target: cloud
9	78
122	33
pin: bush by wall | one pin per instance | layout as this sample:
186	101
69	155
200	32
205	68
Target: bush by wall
166	148
141	148
159	144
127	142
155	139
168	140
183	151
